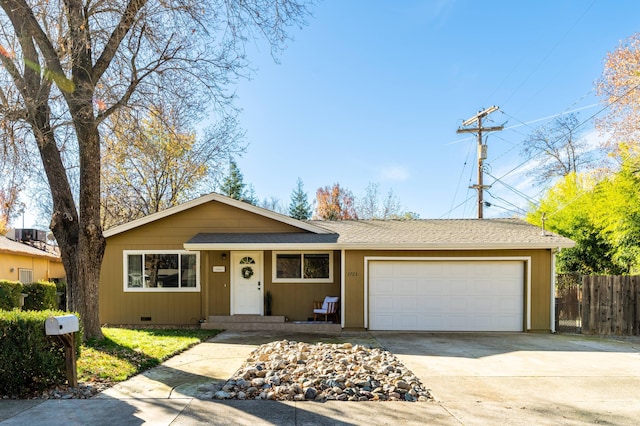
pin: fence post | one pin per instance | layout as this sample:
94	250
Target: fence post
586	304
616	308
636	305
627	312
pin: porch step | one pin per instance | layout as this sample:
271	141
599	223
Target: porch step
246	318
245	323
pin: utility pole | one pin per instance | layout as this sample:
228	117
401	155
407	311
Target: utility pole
482	149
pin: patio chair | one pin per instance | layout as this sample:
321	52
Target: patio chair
329	307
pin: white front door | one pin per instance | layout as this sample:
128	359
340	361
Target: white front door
247	283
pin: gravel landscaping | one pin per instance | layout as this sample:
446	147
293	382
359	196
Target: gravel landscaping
297	371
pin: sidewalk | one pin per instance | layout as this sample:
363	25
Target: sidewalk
476	378
179	392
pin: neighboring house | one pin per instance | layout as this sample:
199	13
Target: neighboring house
217	256
26	263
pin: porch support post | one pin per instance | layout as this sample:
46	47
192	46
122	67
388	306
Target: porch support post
343	303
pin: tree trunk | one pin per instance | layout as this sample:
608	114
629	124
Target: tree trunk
78	232
91	242
64	220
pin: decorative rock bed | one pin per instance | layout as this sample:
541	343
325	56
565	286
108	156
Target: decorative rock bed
297	371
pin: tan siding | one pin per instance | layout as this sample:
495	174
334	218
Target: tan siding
210	217
170	233
295	300
353	305
541	291
540	280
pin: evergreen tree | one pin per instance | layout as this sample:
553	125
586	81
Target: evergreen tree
233	185
250	196
299	208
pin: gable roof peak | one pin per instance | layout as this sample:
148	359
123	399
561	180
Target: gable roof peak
213	196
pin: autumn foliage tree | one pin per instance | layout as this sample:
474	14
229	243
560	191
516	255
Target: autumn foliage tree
619	88
14	163
601	211
335	203
11	181
153	164
69	66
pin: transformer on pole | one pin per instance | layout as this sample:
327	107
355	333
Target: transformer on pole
482	149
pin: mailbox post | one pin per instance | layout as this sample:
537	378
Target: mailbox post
65	327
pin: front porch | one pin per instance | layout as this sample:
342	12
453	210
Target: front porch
267	323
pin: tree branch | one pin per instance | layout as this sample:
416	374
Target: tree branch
127	20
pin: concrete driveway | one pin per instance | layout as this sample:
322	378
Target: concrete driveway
477	379
525	378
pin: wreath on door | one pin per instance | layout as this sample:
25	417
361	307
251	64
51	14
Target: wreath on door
247	272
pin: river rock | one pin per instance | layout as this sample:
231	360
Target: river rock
298	371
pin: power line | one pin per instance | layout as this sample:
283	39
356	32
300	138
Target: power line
544	118
514	190
482	148
455	195
456	207
522	123
517	212
535	69
576	127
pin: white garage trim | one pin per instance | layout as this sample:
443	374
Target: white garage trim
525	259
553	291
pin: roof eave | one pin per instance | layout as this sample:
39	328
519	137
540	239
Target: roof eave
259	246
30	254
370	246
455	246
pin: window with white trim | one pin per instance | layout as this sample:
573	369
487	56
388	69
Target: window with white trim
161	270
291	267
25	276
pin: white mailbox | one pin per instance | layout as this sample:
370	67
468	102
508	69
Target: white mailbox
63	324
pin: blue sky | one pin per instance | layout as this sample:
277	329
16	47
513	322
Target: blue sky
373	91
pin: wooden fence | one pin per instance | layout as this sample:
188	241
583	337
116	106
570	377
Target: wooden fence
611	305
569	303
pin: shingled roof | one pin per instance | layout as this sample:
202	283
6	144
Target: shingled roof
15	247
447	233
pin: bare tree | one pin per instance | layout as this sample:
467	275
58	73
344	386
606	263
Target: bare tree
70	65
558	148
373	206
274	204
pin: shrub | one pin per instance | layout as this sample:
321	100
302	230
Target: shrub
61	290
10	294
42	295
30	361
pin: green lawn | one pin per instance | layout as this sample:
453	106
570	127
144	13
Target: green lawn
126	352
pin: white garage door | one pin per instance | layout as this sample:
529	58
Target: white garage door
446	295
